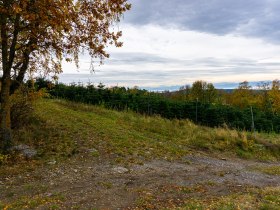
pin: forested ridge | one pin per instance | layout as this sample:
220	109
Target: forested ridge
243	108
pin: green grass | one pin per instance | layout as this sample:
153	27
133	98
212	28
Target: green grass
270	170
265	199
35	202
61	129
196	198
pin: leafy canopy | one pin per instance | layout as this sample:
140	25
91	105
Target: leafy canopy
38	34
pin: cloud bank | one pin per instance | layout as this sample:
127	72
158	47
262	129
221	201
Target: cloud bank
257	18
175	42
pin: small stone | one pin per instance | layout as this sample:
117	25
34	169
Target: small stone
25	150
92	150
53	162
29	153
120	170
75	170
20	147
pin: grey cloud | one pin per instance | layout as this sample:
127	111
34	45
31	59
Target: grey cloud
120	70
140	58
135	58
258	18
159	77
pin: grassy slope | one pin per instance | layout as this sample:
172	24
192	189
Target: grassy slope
62	128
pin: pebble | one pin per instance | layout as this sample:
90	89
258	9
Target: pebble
53	162
120	170
25	150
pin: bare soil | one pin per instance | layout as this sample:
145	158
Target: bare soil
86	182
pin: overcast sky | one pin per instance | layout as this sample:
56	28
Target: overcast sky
175	42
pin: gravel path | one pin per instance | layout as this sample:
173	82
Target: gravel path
91	183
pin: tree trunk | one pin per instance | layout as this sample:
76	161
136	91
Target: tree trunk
5	116
5	110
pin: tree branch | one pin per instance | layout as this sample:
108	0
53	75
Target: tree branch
14	42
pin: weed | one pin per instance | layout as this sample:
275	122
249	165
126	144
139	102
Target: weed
107	185
4	159
28	187
54	206
26	202
10	194
2	206
192	205
211	183
244	154
265	199
95	153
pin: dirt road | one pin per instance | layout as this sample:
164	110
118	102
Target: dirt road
90	183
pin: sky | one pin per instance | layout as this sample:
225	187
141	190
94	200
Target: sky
171	43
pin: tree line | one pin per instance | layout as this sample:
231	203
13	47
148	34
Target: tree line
201	103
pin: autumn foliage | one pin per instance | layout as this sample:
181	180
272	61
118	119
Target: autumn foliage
36	35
